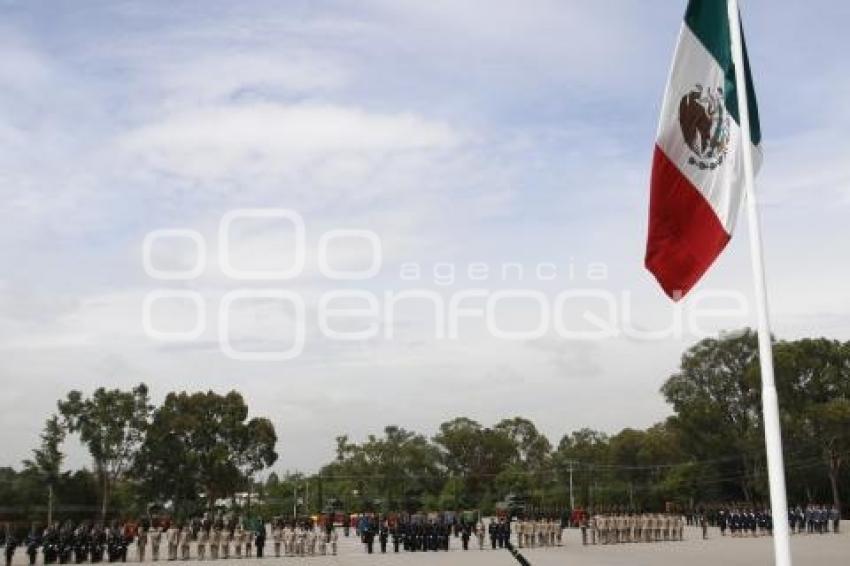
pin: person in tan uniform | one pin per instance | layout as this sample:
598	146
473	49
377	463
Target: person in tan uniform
141	541
238	540
172	536
277	537
215	539
156	541
203	540
185	539
249	542
226	539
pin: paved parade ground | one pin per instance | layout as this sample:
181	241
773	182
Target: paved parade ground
808	550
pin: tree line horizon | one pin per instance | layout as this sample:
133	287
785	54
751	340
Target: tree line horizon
199	448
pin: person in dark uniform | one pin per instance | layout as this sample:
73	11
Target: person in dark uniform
465	534
260	538
33	541
396	534
82	542
9	544
49	541
66	542
384	536
492	531
503	531
368	537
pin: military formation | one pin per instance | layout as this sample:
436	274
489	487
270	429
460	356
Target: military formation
68	543
748	521
620	528
304	539
436	535
814	519
202	538
742	522
532	533
408	536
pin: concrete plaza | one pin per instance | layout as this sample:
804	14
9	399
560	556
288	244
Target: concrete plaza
808	550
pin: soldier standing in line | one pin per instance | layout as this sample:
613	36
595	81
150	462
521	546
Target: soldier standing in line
491	528
260	538
203	539
249	541
9	543
396	534
227	537
215	539
559	532
142	540
479	532
368	538
289	540
311	539
465	533
156	540
384	537
277	537
186	539
334	539
33	541
238	540
171	538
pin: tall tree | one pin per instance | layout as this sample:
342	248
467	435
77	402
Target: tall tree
814	376
47	459
111	423
203	442
532	447
716	395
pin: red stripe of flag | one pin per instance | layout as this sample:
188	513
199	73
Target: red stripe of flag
685	235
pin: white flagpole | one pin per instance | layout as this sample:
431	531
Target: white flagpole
770	405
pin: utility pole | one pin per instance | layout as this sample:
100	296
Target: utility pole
50	504
321	494
572	499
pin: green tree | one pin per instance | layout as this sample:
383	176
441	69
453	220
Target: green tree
532	448
398	468
111	423
716	395
814	380
203	443
584	453
47	459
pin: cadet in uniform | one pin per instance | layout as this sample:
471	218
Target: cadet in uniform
156	540
203	539
185	539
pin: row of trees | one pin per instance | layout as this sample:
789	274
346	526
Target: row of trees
190	451
710	450
195	449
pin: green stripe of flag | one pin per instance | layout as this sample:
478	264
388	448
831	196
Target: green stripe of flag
709	21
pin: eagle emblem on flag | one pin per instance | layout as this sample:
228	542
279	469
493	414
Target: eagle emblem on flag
705	126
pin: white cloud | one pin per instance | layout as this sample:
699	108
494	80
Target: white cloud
230	140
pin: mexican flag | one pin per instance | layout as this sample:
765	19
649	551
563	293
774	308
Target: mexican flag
697	179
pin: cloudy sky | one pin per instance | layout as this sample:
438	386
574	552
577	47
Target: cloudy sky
476	132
